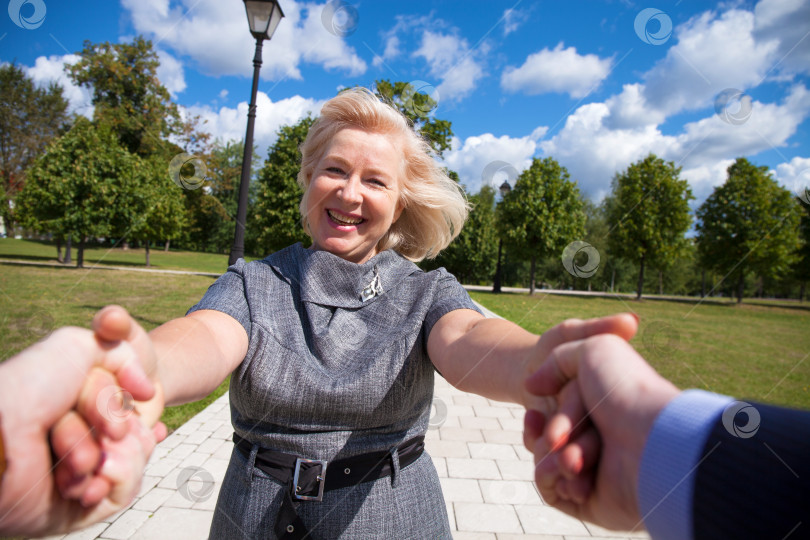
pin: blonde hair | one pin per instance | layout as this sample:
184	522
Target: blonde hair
434	206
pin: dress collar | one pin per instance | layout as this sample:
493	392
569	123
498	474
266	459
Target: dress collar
326	279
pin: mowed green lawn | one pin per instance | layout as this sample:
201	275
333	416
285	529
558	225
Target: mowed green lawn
28	250
749	351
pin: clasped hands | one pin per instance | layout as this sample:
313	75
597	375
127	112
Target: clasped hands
74	444
588	442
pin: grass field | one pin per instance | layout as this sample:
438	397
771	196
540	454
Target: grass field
749	351
173	260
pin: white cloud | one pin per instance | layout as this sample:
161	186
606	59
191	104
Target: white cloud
392	50
470	157
52	69
794	175
450	60
215	35
223	94
170	73
512	19
230	123
713	53
781	20
558	70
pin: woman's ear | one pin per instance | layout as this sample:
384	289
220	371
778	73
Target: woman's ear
398	211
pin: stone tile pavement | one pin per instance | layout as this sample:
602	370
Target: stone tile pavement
475	443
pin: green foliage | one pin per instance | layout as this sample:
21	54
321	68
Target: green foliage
749	224
417	107
802	265
276	220
85	185
542	214
648	212
30	118
471	256
127	93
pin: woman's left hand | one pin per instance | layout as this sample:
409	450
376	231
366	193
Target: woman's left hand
623	325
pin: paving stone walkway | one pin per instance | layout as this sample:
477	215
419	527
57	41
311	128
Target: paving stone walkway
476	445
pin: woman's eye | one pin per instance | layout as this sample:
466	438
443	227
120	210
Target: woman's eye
377	182
336	170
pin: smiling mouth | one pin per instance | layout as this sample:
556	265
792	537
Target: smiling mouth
344	220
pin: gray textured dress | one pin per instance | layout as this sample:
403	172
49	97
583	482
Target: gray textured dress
328	376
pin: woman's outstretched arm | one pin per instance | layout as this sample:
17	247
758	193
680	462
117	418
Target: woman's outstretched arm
493	357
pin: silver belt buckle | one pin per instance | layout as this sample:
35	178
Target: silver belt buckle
321	479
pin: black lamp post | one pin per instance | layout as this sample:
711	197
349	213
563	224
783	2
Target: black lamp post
263	17
496	283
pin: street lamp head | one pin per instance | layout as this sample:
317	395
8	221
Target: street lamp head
263	17
505	188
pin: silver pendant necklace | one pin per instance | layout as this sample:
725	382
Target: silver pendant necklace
372	289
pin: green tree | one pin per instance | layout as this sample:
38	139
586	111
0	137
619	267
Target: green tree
155	207
276	219
748	225
30	118
417	106
127	93
648	212
471	256
802	266
541	215
81	186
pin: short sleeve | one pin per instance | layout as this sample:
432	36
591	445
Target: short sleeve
227	294
449	296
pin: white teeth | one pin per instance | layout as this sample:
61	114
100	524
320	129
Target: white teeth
344	220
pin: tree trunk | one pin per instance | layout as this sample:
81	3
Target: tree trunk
612	279
68	245
531	275
801	292
166	246
59	250
660	282
80	256
703	283
146	245
640	279
740	287
759	287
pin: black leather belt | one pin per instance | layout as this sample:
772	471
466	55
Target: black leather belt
307	479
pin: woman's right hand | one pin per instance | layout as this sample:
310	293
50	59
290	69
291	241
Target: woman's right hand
113	323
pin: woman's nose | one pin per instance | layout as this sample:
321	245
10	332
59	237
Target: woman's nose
350	192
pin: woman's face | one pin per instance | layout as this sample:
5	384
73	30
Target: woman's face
353	197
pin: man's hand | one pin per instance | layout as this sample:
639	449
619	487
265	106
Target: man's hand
66	387
588	453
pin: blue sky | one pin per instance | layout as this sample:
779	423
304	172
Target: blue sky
597	85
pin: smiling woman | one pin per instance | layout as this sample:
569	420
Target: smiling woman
332	350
